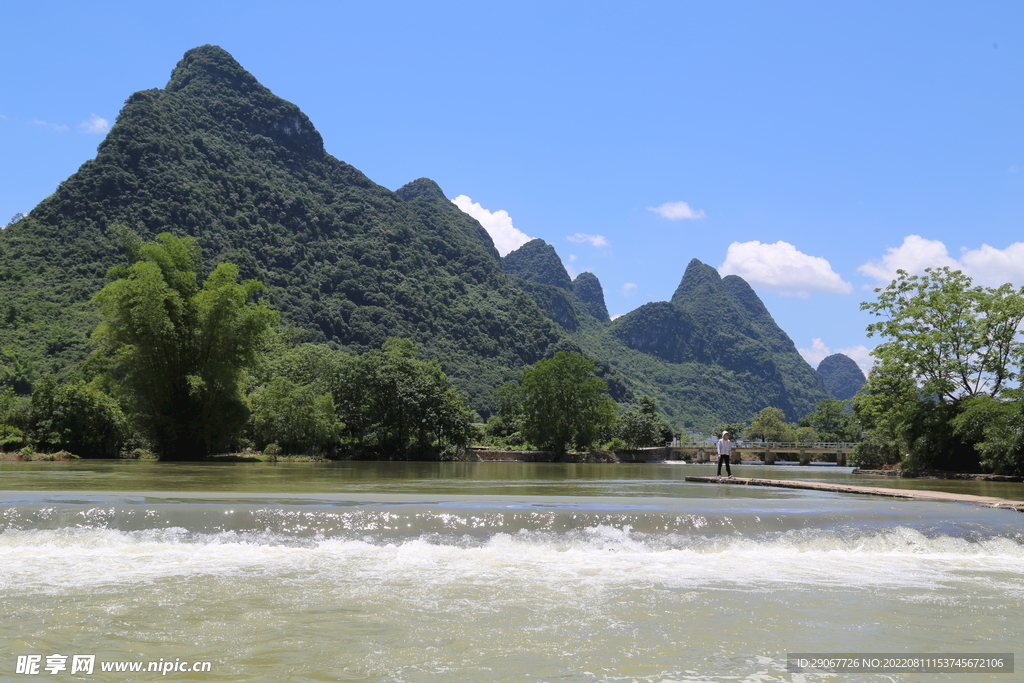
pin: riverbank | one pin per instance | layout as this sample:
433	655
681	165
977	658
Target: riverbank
987	501
59	456
940	475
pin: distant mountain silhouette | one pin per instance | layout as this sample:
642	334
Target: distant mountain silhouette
841	376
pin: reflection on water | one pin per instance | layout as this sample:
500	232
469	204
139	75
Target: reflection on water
490	571
468	478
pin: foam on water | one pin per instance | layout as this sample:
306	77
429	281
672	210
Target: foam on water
601	554
425	588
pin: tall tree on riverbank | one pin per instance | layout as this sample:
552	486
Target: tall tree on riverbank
180	348
952	357
565	403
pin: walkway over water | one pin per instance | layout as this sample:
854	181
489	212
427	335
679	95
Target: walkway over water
767	451
987	501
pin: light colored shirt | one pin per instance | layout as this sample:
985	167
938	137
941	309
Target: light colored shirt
724	447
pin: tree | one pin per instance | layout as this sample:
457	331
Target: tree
504	428
296	418
952	358
955	340
78	417
16	371
394	405
833	420
997	430
565	403
770	425
642	427
180	348
15	419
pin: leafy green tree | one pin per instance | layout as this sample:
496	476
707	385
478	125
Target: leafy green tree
14	419
17	371
77	417
180	349
564	403
833	420
953	339
505	426
295	418
770	425
395	405
997	430
642	428
953	353
805	435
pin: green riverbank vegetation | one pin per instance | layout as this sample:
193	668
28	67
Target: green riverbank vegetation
184	368
945	393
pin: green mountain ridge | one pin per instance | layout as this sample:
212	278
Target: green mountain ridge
216	155
712	353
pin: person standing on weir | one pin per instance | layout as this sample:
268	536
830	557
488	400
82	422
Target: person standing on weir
724	453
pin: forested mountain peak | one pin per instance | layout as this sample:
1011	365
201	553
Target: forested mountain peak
217	156
744	295
841	376
213	64
537	261
699	279
422	190
721	326
590	293
231	96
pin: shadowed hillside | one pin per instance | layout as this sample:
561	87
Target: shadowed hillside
216	155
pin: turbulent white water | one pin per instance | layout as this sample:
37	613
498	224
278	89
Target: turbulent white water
441	588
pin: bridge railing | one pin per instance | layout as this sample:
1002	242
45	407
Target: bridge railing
798	445
772	445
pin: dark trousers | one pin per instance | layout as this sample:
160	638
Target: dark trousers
725	459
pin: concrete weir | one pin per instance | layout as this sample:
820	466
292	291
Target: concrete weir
987	501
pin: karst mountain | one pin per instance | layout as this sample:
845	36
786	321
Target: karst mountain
214	154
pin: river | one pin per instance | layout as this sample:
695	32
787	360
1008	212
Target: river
490	572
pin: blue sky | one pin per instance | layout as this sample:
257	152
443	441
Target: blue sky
811	148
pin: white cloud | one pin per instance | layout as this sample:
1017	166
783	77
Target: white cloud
817	353
55	127
676	211
95	124
986	265
617	315
594	240
781	268
628	288
860	354
993	267
914	255
498	225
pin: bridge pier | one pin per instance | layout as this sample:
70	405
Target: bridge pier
769	458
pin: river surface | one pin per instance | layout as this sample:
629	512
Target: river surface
491	572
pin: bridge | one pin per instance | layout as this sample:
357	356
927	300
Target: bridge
767	451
